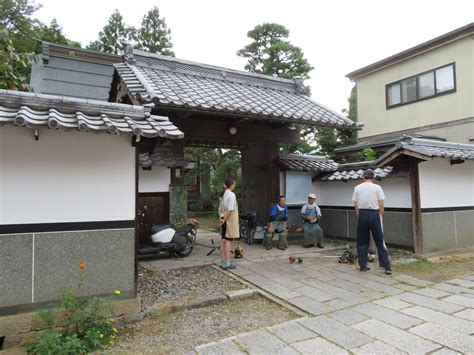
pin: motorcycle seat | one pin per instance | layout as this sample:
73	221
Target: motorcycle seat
159	227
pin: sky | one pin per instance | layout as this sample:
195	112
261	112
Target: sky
336	36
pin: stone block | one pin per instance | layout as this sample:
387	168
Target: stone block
393	303
309	305
443	286
387	315
437	305
466	314
318	346
204	301
262	342
17	340
16	324
398	338
412	280
128	306
16	267
461	300
281	291
314	293
292	332
377	348
431	292
462	282
443	319
465	226
241	294
377	286
439	226
258	280
348	316
134	318
218	348
338	333
447	337
57	256
165	308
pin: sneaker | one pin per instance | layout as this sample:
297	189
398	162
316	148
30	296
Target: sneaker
220	263
388	271
229	267
320	246
365	268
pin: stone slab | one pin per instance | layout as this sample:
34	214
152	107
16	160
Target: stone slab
462	282
460	300
387	315
262	342
16	259
445	351
429	302
219	348
432	292
389	290
288	282
447	337
240	294
400	339
258	280
377	348
336	332
412	280
466	314
314	293
280	291
458	324
309	305
393	303
292	332
453	288
348	316
107	268
318	346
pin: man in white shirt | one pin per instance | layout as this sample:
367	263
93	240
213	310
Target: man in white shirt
369	207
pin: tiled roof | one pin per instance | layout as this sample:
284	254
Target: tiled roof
48	111
344	173
306	162
173	83
434	148
162	156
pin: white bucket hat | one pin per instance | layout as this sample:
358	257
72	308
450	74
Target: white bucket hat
311	195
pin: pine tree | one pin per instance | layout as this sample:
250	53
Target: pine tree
154	36
53	33
112	33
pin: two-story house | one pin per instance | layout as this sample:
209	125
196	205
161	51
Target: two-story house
418	112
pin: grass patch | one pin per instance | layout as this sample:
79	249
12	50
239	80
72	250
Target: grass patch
209	222
418	265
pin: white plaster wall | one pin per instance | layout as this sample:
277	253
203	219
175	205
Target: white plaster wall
155	180
65	177
297	186
445	185
282	183
397	192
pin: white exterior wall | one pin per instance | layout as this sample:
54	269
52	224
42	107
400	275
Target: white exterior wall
445	185
65	177
155	180
397	192
297	186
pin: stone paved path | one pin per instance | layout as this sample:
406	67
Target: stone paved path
354	312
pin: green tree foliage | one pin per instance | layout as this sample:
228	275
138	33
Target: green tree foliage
367	154
154	36
350	138
271	53
13	65
53	33
112	33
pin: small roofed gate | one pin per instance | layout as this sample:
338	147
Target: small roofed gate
219	107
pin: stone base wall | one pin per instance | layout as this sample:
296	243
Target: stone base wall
37	267
447	230
342	223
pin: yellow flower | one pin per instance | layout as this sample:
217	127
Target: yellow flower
101	335
115	330
117	292
113	337
82	266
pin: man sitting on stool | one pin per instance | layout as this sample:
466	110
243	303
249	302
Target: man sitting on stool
311	214
277	224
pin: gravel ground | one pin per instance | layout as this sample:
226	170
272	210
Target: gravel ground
171	285
180	332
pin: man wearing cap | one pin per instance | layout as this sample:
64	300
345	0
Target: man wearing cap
311	215
369	207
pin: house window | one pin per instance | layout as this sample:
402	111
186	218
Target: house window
435	82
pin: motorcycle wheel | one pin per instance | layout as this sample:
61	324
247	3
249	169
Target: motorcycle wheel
190	239
244	233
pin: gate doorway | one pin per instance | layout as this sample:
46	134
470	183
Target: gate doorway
152	208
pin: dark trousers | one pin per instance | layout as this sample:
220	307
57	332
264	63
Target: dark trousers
369	221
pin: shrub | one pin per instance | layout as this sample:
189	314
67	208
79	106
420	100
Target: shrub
85	326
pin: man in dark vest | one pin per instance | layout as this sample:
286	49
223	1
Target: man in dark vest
277	224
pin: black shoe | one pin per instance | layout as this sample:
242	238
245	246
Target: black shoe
320	246
365	268
308	246
388	271
268	248
280	248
